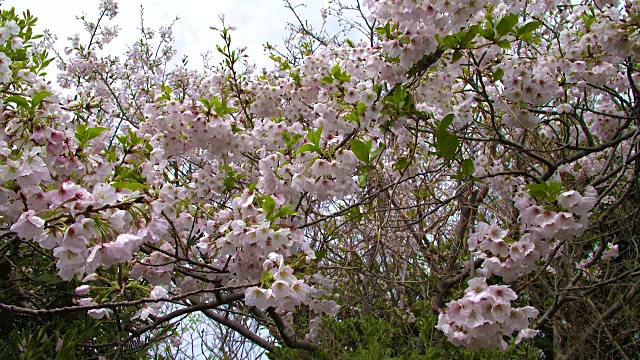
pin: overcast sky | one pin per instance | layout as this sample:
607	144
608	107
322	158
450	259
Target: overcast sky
257	22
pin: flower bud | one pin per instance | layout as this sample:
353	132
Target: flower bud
82	290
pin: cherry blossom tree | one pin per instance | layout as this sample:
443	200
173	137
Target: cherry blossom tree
463	177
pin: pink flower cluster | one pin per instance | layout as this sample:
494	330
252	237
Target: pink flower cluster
540	229
484	317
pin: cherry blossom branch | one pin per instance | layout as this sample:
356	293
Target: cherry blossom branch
90	209
113	305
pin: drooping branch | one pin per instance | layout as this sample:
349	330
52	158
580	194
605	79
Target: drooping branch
289	339
240	329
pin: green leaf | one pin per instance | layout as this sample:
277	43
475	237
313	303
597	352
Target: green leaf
268	204
445	122
548	191
307	147
131	185
252	186
284	212
353	117
497	75
355	214
588	21
467	168
320	254
528	28
49	279
267	279
94	132
360	150
457	55
314	136
447	144
450	41
376	152
220	107
84	134
80	130
400	164
37	98
205	102
537	191
335	71
362	178
18	100
229	182
465	37
506	24
488	33
296	78
327	80
554	189
504	44
317	135
112	156
290	140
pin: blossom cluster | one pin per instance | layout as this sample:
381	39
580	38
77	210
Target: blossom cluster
540	231
484	317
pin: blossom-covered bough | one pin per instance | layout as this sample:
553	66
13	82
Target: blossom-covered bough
473	160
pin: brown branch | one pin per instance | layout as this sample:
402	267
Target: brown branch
184	311
289	340
240	329
113	305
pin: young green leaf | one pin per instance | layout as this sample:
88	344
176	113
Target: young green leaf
528	28
445	122
314	136
18	100
307	147
335	71
450	41
131	185
93	132
487	33
400	164
467	168
537	191
326	80
284	212
360	150
37	98
447	144
497	75
268	204
320	254
376	152
504	44
506	24
457	55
